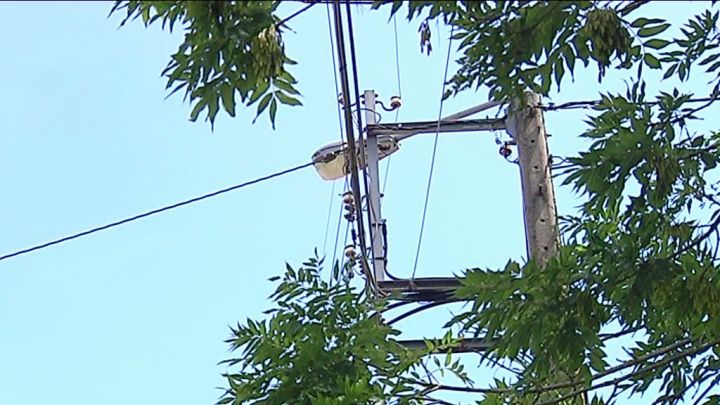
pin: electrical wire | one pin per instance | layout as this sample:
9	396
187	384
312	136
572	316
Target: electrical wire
361	142
327	220
337	231
370	209
347	231
293	15
571	105
153	212
419	309
354	181
399	89
397	61
356	87
432	160
340	134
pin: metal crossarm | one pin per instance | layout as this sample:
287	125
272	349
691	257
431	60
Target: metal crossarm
405	130
421	289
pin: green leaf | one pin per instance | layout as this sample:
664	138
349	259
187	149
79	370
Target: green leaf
273	111
569	56
709	160
713	67
641	22
227	94
263	105
199	106
651	61
650	31
670	71
258	92
287	100
213	107
656	43
286	87
559	72
709	59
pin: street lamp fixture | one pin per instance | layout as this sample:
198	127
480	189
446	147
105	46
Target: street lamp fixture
332	161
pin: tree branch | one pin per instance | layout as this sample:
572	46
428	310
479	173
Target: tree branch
608	336
617	380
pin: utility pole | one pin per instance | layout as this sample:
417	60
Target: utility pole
526	125
377	244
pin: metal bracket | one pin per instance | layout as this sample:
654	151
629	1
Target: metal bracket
421	289
405	130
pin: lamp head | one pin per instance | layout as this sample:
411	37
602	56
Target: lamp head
333	161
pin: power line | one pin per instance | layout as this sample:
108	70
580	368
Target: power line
327	221
361	142
153	212
354	181
337	230
571	105
340	134
399	89
293	15
432	160
397	61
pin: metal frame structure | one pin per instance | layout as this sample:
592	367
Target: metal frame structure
419	289
525	124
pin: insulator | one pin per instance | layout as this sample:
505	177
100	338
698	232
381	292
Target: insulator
350	251
348	198
349	208
505	151
395	102
350	216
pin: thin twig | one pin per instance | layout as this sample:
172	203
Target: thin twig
617	380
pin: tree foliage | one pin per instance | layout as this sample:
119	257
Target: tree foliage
323	343
638	266
231	50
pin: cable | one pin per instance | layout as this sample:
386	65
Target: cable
347	231
399	89
337	231
354	181
356	87
570	105
419	309
334	65
293	15
432	160
340	132
397	61
327	221
153	212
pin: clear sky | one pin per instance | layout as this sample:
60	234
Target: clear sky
138	314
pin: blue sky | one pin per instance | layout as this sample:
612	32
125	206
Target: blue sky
138	314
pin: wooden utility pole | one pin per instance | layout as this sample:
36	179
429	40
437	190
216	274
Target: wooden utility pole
526	125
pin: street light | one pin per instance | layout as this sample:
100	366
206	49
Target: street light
332	161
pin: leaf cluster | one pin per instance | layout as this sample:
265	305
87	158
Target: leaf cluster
232	52
321	344
511	47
